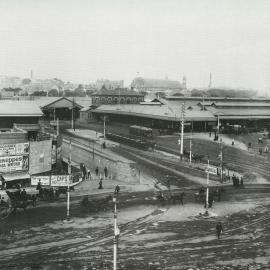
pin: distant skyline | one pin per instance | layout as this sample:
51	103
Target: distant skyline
82	41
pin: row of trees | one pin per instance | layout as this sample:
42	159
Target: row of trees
78	92
215	92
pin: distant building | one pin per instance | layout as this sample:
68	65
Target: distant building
109	84
117	96
156	85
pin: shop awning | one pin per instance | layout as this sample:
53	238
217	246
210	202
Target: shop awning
15	176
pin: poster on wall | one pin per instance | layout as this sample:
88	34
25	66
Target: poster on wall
14	149
61	180
43	179
14	163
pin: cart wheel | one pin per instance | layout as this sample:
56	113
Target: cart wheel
4	212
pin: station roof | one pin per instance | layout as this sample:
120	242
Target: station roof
243	113
241	104
162	112
19	108
56	102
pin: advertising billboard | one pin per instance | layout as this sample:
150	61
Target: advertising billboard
44	180
14	149
61	180
14	163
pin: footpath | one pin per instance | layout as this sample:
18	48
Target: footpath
121	171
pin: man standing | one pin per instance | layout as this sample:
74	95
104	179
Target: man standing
96	172
219	229
105	172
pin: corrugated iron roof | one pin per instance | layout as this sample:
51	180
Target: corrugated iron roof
19	108
157	112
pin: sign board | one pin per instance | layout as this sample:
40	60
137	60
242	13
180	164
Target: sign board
14	149
13	163
212	170
44	180
61	180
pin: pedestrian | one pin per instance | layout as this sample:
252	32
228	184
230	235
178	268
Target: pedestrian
96	170
39	185
232	142
23	195
260	151
105	172
88	174
249	145
83	169
211	200
100	186
117	190
241	181
210	134
168	184
219	229
3	182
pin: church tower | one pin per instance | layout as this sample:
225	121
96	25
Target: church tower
184	82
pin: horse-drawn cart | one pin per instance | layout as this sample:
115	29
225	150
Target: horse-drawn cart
14	199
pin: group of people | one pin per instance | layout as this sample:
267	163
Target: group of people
237	181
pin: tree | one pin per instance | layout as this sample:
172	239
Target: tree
39	93
26	81
79	91
197	93
53	93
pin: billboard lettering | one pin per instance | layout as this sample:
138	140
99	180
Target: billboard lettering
14	149
61	180
14	163
44	180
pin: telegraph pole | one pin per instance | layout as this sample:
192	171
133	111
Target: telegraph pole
182	129
116	234
221	160
190	153
69	175
104	127
72	122
207	189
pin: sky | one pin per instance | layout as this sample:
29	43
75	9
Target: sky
82	41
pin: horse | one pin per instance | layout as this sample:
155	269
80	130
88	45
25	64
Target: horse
177	197
196	157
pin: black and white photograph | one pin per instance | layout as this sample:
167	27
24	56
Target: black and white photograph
134	134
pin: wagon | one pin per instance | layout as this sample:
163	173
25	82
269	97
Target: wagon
11	200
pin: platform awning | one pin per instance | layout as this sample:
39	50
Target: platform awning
15	176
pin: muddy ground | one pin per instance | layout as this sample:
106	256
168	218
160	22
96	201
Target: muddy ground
166	235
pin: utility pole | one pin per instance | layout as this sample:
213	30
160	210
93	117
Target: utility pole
190	149
72	116
57	127
182	129
69	175
104	127
207	189
221	160
218	126
116	234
